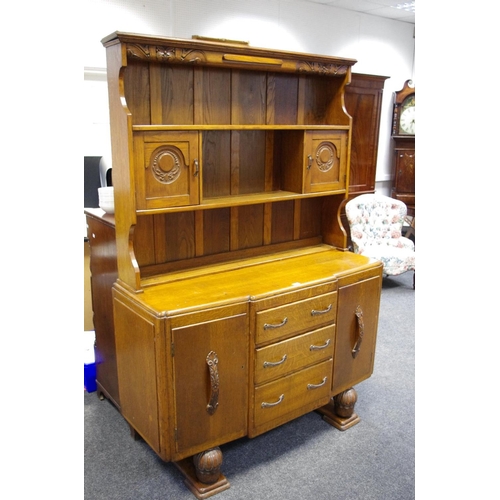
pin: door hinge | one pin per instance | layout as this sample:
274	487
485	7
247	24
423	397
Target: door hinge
172	349
175	434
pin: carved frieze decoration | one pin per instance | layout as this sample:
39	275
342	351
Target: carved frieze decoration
179	55
321	68
161	54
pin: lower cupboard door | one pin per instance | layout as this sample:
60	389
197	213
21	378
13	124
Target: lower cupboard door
210	365
356	333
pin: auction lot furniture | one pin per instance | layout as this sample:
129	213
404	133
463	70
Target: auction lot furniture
237	306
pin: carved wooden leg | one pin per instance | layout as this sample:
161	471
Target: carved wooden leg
202	473
339	412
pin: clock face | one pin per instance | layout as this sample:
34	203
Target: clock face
407	117
407	120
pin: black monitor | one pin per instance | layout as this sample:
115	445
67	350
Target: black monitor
91	181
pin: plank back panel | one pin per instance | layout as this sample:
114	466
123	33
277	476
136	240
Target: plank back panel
137	92
216	163
212	96
172	94
282	99
248	98
216	230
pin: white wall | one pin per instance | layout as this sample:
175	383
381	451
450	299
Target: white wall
381	46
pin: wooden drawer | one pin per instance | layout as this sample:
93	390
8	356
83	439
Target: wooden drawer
290	319
289	397
282	358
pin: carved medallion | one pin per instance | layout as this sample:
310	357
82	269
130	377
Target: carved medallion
325	156
166	163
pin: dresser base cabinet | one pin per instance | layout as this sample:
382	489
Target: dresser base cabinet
270	342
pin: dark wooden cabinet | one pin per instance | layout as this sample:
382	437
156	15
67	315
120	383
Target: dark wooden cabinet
103	274
234	292
363	101
403	172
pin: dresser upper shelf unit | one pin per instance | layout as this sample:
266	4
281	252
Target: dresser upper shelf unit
222	150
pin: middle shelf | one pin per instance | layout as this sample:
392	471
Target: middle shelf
222	167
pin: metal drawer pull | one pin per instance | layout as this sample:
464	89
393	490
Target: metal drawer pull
316	386
319	347
196	167
212	361
361	331
269	405
267	364
267	326
324	311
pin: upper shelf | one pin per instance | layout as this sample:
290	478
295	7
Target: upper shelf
152	128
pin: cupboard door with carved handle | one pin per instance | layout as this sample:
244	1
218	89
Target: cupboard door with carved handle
356	333
210	370
167	169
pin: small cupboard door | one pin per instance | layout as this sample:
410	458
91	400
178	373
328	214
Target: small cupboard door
210	369
325	161
167	169
357	323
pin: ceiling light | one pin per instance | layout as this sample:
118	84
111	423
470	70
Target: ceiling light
409	6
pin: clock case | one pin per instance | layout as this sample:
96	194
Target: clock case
403	157
400	97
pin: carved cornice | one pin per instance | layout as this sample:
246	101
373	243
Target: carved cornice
169	54
156	53
321	69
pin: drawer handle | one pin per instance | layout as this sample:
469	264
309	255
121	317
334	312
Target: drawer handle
267	326
324	311
212	361
319	347
361	331
316	386
269	405
267	364
196	167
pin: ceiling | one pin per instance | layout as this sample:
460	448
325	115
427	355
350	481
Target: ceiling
381	8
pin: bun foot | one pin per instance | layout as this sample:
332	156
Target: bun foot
202	473
339	412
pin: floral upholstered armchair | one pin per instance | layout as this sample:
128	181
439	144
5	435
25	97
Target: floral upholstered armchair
376	223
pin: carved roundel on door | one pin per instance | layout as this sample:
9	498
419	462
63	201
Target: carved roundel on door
166	163
325	156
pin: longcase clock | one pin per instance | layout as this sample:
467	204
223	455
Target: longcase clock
403	136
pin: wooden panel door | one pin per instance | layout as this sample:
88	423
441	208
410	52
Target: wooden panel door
326	161
210	367
167	169
363	101
356	331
